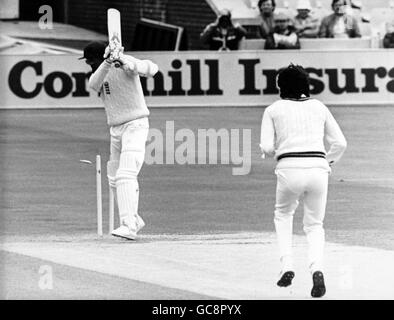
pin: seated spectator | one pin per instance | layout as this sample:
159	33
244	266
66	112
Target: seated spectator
355	9
339	24
223	34
284	35
267	8
388	40
305	24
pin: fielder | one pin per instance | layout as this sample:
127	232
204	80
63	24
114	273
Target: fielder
293	131
127	116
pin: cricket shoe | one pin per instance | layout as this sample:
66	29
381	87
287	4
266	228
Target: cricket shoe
124	232
319	288
286	279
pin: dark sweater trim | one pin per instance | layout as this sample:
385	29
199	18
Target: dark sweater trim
307	154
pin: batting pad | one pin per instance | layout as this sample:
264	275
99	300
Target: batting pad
127	188
130	164
112	167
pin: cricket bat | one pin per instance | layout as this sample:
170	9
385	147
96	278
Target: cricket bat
114	34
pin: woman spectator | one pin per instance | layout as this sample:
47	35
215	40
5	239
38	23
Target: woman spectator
339	24
267	8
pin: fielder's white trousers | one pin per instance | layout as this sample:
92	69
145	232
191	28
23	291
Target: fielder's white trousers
128	148
312	185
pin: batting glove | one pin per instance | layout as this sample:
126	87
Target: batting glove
112	53
107	55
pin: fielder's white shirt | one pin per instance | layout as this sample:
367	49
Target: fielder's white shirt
121	90
301	126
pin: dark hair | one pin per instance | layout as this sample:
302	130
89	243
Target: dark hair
261	2
293	82
335	1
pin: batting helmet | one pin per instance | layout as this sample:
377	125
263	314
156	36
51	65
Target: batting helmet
94	50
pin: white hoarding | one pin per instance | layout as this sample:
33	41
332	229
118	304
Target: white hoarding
243	78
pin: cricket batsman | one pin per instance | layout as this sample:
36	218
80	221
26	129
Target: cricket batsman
294	130
127	116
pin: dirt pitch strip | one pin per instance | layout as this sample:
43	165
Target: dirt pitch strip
227	266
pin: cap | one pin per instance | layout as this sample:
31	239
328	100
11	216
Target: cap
94	49
304	4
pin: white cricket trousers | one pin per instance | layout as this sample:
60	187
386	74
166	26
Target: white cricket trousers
312	185
128	148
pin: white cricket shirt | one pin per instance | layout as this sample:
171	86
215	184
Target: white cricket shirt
301	126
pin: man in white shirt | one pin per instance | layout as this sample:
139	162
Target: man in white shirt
339	24
293	131
306	25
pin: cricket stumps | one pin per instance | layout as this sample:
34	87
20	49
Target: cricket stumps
99	202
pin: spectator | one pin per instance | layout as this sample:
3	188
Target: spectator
223	34
284	35
267	8
339	24
355	9
388	40
305	24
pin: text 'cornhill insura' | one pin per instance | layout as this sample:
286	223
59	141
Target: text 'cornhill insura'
59	84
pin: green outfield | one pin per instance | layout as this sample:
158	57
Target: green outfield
47	192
